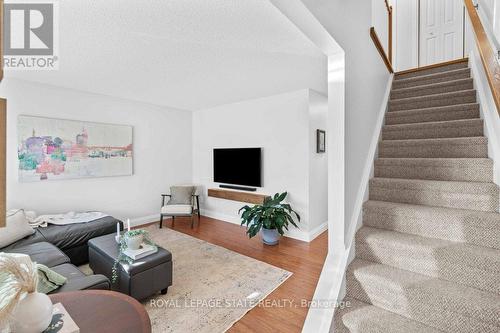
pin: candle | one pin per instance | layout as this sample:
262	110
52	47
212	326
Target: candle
118	230
128	224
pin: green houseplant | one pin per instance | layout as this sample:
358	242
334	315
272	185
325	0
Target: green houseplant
272	217
125	240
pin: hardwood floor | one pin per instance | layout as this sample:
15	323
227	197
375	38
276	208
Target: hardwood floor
304	260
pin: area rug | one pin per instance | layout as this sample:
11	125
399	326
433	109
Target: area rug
212	287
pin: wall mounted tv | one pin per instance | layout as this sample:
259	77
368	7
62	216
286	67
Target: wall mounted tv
238	166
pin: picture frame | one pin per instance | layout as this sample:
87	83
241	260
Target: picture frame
60	149
320	141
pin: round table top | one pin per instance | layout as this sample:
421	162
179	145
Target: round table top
104	311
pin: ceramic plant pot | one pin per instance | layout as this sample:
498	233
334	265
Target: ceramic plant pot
134	243
33	314
270	236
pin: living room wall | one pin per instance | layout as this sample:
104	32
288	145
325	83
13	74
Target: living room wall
162	153
285	127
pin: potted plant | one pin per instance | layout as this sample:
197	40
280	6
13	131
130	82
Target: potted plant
130	239
272	217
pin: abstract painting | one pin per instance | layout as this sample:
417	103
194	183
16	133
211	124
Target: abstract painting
54	149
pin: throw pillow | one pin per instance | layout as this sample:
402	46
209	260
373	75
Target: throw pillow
48	280
17	228
181	195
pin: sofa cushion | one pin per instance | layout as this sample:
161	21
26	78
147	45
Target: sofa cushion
177	209
79	281
31	239
73	235
42	253
17	227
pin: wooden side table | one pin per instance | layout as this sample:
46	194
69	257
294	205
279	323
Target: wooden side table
104	311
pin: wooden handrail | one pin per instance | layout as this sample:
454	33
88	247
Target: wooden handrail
389	8
380	49
488	57
389	11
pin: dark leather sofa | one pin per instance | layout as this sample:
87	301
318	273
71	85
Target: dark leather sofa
62	248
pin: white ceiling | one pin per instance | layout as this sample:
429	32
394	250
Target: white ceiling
186	54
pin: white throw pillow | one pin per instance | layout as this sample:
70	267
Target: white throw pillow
17	228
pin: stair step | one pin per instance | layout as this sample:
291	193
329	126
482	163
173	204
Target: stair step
459	225
360	317
444	99
443	113
433	88
458	169
461	195
439	129
471	265
450	307
474	147
434	70
457	74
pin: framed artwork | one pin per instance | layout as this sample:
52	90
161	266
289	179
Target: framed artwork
55	149
320	141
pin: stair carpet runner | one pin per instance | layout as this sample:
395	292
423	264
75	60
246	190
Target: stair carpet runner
428	253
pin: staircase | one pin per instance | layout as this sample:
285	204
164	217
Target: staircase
428	254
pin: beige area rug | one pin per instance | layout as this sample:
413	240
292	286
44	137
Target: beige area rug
212	287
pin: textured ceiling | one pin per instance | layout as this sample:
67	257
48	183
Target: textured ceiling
187	54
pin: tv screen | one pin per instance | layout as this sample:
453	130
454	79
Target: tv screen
238	166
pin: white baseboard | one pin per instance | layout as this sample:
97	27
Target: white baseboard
318	231
144	220
298	234
292	233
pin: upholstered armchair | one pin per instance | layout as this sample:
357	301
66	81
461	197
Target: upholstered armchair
182	201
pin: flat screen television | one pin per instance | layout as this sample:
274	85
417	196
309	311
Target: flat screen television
238	166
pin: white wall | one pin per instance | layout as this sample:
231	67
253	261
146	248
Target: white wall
405	34
280	125
489	12
488	7
380	21
366	79
162	153
318	164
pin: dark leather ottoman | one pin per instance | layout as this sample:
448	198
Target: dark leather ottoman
144	278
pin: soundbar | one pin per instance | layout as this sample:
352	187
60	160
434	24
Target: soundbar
234	187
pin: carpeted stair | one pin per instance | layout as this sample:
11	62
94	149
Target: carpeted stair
428	253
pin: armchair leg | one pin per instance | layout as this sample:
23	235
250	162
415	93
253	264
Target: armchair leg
161	221
192	221
173	221
198	208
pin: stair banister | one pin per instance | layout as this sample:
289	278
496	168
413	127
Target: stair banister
487	54
386	55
